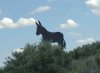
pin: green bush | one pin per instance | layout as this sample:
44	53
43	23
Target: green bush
1	71
42	58
98	59
85	51
45	58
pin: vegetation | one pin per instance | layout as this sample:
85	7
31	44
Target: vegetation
45	58
86	51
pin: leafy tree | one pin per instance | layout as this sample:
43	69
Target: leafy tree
42	58
98	59
45	58
1	71
85	51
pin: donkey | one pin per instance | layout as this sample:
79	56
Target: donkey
50	36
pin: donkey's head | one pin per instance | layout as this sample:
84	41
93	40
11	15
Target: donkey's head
39	28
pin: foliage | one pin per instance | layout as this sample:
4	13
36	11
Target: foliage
85	51
45	58
42	58
98	59
87	65
1	71
86	59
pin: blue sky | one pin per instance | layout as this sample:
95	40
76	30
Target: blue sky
78	20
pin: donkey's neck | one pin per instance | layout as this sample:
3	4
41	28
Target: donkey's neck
45	32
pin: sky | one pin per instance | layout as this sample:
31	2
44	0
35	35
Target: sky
78	20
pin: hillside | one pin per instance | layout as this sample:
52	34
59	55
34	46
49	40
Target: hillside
45	58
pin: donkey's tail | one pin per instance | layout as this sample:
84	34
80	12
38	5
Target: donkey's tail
64	44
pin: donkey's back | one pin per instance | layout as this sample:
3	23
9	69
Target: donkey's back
57	35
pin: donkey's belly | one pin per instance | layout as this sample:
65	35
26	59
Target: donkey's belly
53	40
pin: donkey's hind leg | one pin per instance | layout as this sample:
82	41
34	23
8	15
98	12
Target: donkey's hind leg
60	43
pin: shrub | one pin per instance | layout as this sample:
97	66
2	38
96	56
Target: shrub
42	58
98	59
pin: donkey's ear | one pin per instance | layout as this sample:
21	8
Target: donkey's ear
39	23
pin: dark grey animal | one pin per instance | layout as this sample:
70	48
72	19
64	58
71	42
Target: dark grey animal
50	36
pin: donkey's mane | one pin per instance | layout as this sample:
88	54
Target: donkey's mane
44	29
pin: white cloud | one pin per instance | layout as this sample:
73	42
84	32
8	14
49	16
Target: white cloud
85	41
22	22
69	24
6	23
63	26
41	9
18	50
94	6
